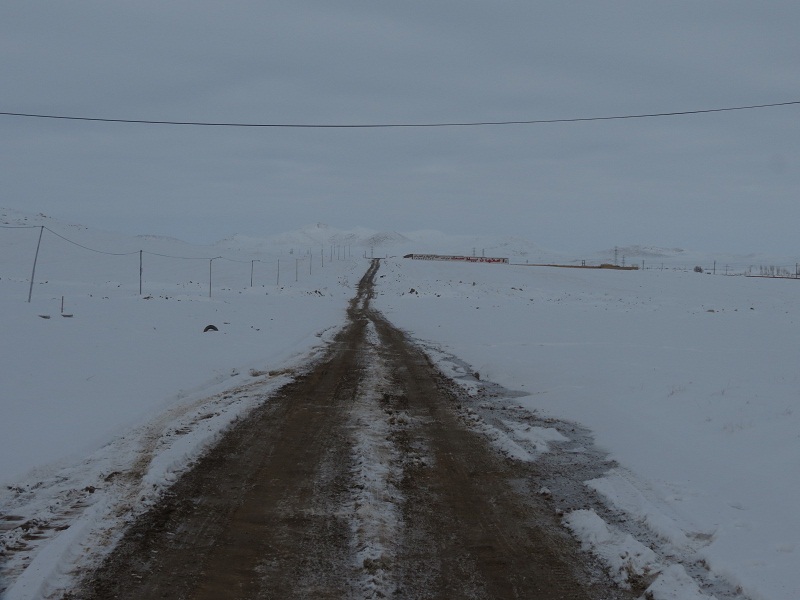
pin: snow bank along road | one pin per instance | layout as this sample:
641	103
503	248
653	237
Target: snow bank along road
366	477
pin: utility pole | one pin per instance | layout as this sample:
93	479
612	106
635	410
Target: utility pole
35	258
616	252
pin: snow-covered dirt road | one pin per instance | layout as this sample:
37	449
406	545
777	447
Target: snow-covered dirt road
371	475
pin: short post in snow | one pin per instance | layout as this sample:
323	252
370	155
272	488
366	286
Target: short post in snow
252	262
140	272
210	260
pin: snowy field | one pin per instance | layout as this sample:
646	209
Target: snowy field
688	380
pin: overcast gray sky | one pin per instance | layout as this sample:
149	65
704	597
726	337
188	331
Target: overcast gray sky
717	182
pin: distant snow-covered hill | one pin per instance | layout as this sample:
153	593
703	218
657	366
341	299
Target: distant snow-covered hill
360	240
314	236
655	257
392	242
649	251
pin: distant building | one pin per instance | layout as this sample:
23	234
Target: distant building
475	259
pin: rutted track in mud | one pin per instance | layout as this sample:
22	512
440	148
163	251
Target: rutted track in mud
358	480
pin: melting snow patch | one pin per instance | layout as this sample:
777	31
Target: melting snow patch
674	584
621	493
522	442
538	437
504	443
630	563
628	560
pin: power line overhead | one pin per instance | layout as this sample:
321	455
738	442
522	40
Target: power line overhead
403	125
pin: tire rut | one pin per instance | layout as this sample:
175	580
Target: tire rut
469	532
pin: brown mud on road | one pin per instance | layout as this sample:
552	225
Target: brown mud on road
361	479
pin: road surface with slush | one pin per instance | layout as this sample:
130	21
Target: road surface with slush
360	479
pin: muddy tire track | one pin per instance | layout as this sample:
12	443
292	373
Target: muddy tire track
470	532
